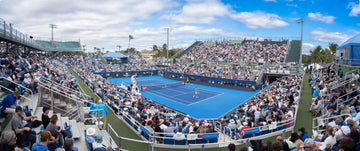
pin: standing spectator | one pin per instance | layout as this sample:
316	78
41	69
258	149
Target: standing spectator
44	141
9	103
45	117
22	131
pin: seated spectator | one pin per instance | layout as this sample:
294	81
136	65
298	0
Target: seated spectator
45	117
354	134
309	145
295	140
8	141
231	147
53	127
277	146
44	141
330	139
302	134
90	135
97	145
23	132
53	144
8	104
284	144
69	145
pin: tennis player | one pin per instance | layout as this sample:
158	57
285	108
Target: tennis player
196	93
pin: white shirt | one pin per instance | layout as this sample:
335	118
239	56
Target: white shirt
27	80
329	140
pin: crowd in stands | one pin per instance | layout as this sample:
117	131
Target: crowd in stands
336	99
248	52
270	108
208	60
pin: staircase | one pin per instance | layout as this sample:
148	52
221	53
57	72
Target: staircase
196	43
293	54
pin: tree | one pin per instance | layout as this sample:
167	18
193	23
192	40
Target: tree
164	49
316	54
333	47
130	37
156	50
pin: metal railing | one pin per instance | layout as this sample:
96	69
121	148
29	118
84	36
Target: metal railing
30	92
323	120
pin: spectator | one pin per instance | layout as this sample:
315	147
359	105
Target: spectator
302	134
347	145
8	141
69	145
23	132
309	145
44	141
330	139
277	146
285	146
97	145
294	138
53	127
9	103
45	117
90	135
231	147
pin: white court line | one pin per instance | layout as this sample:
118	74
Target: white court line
184	93
171	97
206	99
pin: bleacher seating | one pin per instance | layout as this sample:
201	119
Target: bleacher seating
196	43
294	51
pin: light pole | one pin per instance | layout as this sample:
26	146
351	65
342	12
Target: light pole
167	43
52	26
301	21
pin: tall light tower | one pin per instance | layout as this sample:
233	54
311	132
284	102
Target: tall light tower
301	21
167	43
119	47
52	26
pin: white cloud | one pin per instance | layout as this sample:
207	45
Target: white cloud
355	9
104	24
292	5
258	19
324	36
307	47
204	12
320	17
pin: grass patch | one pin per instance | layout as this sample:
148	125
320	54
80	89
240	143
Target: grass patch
304	118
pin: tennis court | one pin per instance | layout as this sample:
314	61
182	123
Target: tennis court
212	102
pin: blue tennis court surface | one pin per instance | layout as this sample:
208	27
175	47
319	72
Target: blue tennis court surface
212	102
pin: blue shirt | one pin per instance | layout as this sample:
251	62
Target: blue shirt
39	147
8	101
306	135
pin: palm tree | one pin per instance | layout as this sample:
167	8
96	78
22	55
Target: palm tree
156	49
130	37
333	47
316	54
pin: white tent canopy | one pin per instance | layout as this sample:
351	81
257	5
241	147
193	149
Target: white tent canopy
313	65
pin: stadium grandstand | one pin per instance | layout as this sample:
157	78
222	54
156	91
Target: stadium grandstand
243	93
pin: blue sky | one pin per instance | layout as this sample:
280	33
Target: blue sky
107	23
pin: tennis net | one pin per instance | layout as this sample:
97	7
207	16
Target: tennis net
162	86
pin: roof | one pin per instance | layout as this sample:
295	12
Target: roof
114	55
352	41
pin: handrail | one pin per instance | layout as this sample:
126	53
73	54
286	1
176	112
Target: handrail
31	92
323	119
62	93
71	90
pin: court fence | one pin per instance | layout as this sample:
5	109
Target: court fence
212	79
127	73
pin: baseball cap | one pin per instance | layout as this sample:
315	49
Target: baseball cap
346	130
99	137
302	129
47	135
19	108
308	143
